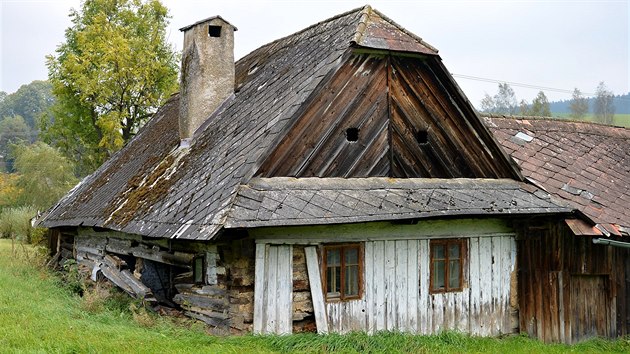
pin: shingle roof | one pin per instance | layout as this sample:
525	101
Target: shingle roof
153	188
586	164
306	201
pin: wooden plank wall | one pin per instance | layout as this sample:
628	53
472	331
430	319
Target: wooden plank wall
397	297
391	100
555	291
273	289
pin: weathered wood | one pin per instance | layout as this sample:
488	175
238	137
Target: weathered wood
284	290
136	285
114	261
317	294
155	254
212	321
114	276
260	288
195	300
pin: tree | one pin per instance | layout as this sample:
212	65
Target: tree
604	109
506	99
540	106
487	104
504	102
578	105
29	101
523	108
110	75
44	175
13	130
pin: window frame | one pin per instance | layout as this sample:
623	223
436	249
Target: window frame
463	252
342	265
196	259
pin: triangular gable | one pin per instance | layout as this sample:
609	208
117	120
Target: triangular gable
387	115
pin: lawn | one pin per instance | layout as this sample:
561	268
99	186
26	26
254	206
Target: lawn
620	120
38	315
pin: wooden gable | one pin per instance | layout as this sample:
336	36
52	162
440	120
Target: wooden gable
385	115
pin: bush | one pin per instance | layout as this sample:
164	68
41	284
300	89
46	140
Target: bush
15	223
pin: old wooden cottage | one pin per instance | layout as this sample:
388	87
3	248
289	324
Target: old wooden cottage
334	180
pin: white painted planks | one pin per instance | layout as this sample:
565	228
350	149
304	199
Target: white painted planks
317	294
273	289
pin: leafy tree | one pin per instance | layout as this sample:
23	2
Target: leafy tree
540	106
110	75
504	102
29	101
578	105
9	190
604	109
44	175
13	130
523	108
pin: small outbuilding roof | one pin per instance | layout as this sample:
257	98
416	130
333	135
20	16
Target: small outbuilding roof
585	164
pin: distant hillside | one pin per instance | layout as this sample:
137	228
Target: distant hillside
621	102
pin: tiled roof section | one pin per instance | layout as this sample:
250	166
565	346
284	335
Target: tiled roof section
306	201
586	164
154	189
377	31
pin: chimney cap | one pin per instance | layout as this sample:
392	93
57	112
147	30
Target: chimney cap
186	28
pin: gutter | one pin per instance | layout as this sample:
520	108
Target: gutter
602	241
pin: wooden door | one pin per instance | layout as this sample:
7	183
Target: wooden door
591	307
273	289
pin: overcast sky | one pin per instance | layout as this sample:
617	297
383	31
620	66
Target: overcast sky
552	44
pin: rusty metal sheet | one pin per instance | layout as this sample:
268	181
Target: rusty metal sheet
582	228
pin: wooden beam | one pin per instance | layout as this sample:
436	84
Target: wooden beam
317	294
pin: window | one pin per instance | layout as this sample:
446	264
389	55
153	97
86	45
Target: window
214	31
198	267
343	271
447	264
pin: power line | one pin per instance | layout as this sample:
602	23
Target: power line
519	84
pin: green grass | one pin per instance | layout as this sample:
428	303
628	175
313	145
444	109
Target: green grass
38	315
620	120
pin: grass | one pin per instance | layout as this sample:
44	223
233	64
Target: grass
39	315
620	120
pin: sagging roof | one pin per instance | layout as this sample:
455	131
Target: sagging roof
585	164
155	188
308	201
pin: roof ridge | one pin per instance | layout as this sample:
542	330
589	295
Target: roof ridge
555	119
306	29
403	29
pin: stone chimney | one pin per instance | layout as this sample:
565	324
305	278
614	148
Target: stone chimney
207	75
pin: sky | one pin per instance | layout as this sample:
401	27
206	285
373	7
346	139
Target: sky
549	45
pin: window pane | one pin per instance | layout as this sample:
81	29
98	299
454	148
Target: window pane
198	271
333	280
453	250
333	257
351	284
438	275
453	275
351	255
438	251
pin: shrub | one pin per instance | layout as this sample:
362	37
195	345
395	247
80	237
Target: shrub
15	223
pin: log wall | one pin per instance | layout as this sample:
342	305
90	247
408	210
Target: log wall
161	271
